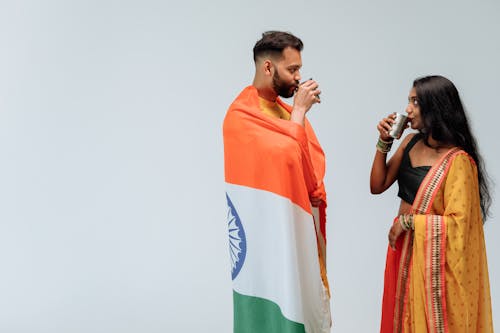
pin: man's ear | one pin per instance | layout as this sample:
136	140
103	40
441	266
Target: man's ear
268	67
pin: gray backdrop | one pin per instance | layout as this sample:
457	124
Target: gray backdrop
112	206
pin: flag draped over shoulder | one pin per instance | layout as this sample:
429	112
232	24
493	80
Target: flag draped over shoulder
277	240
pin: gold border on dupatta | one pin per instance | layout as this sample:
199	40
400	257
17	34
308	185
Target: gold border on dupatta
435	250
434	273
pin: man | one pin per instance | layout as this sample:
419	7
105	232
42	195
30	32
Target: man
274	169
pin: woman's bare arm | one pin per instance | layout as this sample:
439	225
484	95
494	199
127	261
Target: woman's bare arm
384	173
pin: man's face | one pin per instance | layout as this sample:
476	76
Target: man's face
286	75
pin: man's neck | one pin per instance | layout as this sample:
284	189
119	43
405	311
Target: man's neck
265	91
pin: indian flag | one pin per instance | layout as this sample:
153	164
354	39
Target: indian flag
275	237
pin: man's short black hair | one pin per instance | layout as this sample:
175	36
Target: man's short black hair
273	43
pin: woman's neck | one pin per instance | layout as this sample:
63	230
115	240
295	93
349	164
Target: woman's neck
437	145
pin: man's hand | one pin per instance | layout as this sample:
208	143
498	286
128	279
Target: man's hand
305	96
315	202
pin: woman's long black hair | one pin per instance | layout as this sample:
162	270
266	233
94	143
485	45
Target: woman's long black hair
444	118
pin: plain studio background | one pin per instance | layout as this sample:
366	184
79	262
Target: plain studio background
112	205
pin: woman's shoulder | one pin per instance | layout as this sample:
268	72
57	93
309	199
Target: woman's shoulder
461	168
411	137
460	156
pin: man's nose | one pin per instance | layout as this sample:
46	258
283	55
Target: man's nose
298	77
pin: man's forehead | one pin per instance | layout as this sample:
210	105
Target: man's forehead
291	56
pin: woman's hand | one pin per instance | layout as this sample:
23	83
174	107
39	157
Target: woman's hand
384	126
394	233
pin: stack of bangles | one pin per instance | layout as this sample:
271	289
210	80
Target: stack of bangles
384	146
406	221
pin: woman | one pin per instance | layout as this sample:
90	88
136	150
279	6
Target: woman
436	277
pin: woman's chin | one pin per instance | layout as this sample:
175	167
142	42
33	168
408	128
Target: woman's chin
414	126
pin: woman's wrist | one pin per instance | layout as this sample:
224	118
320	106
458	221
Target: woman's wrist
406	222
384	146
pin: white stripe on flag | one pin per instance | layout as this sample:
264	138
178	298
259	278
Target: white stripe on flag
281	262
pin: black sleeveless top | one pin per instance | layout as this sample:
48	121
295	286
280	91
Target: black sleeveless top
410	178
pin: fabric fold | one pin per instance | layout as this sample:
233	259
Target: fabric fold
445	257
272	168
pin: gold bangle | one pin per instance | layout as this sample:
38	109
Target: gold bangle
383	146
406	221
388	142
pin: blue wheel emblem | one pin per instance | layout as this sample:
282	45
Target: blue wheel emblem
237	239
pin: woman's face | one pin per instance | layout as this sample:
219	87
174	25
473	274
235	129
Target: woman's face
413	110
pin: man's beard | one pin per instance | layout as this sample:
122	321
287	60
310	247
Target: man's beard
283	89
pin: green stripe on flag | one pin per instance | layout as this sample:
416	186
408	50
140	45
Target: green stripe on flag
255	314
